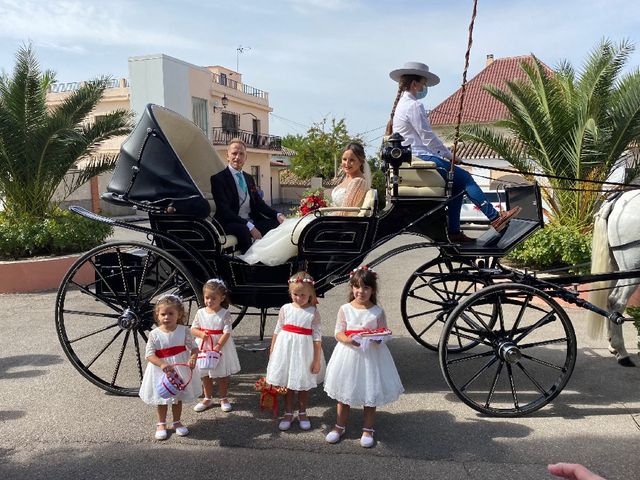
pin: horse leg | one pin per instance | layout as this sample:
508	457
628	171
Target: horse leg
617	303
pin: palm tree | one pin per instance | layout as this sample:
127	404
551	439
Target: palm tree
578	126
38	145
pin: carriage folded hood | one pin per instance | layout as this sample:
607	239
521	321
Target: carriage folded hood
150	168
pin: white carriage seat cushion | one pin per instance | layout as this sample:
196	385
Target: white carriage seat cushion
227	241
420	179
369	203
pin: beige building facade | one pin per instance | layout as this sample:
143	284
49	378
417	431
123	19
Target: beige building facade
215	98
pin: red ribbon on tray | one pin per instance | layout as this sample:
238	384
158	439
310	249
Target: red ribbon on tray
269	395
379	331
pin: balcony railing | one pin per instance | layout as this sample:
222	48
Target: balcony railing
73	86
222	136
224	80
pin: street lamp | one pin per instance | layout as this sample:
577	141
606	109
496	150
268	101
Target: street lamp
225	102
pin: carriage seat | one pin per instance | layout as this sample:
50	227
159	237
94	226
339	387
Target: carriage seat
227	242
420	179
369	204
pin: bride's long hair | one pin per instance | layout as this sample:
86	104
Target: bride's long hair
358	151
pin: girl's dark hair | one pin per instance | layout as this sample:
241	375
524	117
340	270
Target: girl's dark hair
220	288
403	85
367	278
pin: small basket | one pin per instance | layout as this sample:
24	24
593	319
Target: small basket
171	383
207	357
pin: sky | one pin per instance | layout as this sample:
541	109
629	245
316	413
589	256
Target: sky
316	58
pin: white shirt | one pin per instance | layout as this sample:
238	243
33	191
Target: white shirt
245	205
412	122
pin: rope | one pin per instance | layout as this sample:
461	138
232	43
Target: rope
464	88
556	177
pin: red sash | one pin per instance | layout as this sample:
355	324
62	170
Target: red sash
171	351
211	332
287	327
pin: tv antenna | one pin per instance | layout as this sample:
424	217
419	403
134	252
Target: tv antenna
240	50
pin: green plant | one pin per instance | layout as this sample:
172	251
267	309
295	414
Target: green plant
553	247
571	124
57	233
39	144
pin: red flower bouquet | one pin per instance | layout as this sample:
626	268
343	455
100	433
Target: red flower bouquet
312	201
269	395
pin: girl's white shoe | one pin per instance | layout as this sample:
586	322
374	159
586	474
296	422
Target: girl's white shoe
225	406
304	424
203	405
367	441
181	431
285	423
335	435
161	434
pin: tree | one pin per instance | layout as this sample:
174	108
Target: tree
38	146
577	125
318	152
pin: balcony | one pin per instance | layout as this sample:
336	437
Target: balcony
222	136
225	81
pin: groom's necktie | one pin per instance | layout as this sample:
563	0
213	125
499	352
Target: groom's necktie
241	182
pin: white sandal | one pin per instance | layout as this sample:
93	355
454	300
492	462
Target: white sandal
203	405
304	424
181	431
225	406
161	434
284	423
367	441
336	434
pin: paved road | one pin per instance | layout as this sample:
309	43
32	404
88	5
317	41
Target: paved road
55	424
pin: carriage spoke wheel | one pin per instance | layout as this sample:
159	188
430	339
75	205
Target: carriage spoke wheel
431	293
519	363
104	310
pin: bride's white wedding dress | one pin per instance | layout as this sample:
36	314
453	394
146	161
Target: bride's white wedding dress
278	245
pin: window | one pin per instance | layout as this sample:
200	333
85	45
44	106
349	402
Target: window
230	122
255	173
200	113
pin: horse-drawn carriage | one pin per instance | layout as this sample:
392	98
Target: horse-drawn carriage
506	347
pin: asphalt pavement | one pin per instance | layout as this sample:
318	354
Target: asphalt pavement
55	424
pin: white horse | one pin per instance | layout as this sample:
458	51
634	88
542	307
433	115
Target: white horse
616	232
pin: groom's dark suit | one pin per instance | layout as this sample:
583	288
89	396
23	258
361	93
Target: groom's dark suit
225	193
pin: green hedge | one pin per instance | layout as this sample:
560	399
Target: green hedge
554	246
60	233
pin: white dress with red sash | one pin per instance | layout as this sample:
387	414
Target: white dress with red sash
216	324
360	377
292	355
157	342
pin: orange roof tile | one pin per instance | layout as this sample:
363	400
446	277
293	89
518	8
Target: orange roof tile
479	106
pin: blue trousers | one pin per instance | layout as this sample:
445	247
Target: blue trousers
462	182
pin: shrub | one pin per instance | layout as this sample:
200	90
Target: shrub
554	246
59	233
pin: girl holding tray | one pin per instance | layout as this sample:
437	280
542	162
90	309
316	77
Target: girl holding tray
358	376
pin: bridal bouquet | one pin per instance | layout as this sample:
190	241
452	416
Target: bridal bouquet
313	200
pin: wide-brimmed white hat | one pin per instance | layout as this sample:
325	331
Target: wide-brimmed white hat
416	68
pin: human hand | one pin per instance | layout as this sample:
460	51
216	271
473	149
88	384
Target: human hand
353	340
281	218
166	368
315	367
572	471
217	347
192	362
255	233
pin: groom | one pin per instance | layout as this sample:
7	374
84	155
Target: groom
239	208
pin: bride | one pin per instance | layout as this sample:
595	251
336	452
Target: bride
277	245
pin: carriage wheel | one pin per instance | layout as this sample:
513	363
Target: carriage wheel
431	293
518	364
237	312
104	310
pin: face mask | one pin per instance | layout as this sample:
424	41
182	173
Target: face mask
422	93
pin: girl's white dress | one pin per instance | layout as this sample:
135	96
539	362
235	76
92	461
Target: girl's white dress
222	320
278	245
362	378
160	340
292	355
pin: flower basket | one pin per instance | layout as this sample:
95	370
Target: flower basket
207	357
269	395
